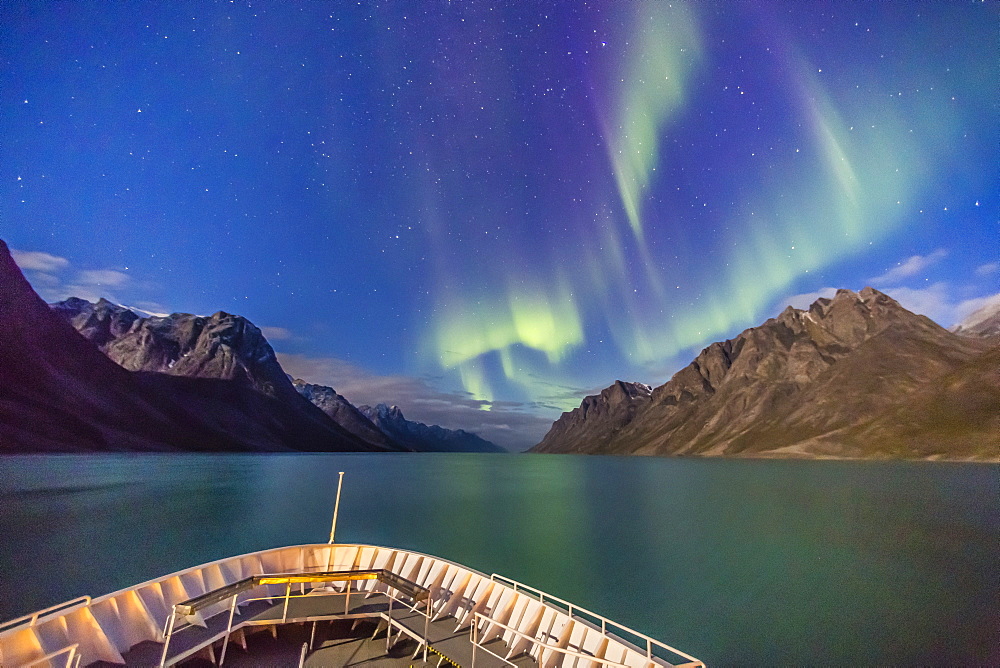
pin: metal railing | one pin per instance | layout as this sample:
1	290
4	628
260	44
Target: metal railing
232	591
572	609
72	657
541	646
33	617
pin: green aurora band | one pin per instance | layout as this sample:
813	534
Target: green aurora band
847	186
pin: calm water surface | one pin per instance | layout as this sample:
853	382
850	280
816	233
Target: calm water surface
736	562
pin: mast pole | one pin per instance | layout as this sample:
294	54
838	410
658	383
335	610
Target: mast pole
336	507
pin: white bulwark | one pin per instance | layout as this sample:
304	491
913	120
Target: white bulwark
446	613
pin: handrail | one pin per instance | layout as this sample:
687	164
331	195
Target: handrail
325	593
302	654
189	607
585	616
411	589
542	597
538	643
69	649
34	616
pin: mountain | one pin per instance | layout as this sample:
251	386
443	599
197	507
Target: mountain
220	346
383	424
422	437
599	417
60	393
343	412
984	321
854	376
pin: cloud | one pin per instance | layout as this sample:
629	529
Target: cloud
276	333
939	303
911	266
38	261
988	269
91	284
973	311
102	277
805	300
55	278
148	308
933	301
512	425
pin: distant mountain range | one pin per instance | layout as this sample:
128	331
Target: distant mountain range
422	437
856	376
983	322
388	424
60	393
230	348
343	412
93	377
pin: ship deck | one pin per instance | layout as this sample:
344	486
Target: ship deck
336	630
329	605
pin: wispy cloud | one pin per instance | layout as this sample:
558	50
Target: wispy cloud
277	333
940	303
512	425
973	311
934	301
54	278
103	277
988	269
38	261
911	266
805	300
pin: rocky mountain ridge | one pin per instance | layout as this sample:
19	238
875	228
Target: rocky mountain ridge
852	376
231	348
422	437
342	411
220	346
60	393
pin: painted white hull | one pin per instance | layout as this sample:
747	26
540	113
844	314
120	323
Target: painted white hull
531	623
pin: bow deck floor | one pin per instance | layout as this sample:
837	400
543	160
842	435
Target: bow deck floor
340	638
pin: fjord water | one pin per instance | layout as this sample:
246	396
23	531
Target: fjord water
734	561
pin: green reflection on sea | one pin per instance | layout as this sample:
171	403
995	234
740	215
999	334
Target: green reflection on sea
737	562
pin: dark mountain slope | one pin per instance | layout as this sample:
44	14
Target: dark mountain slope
221	347
343	412
60	393
598	419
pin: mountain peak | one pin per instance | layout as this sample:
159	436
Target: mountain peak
422	437
223	346
801	380
983	322
386	412
344	413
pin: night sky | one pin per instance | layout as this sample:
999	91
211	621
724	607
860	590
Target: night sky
482	211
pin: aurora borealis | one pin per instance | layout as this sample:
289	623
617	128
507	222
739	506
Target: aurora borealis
483	211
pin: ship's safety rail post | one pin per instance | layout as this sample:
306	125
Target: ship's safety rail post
542	647
32	618
582	613
411	590
72	657
187	612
